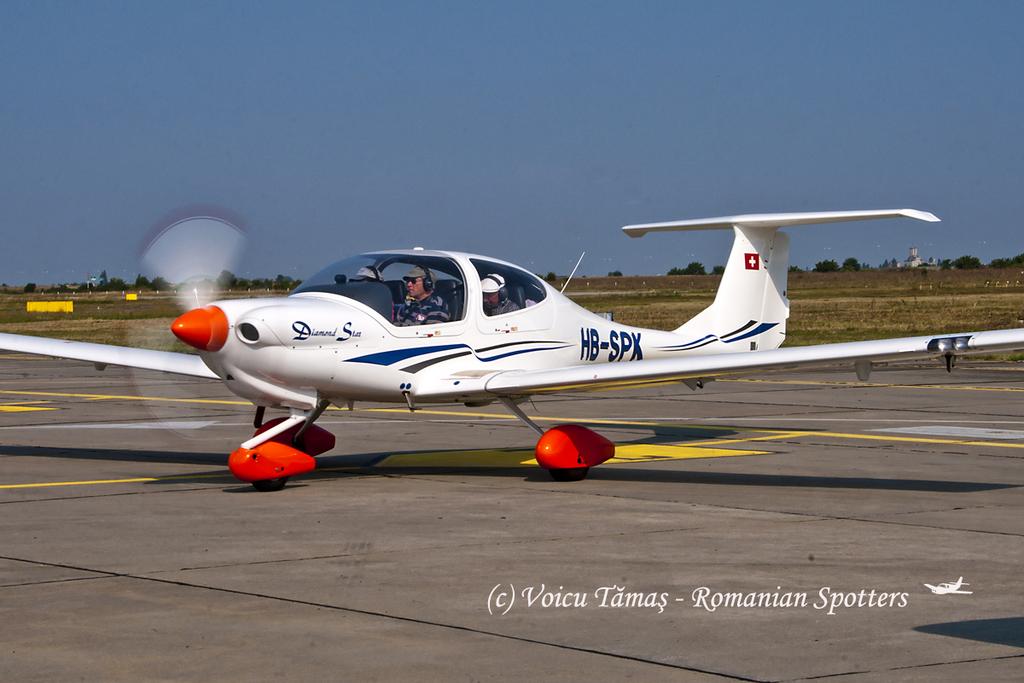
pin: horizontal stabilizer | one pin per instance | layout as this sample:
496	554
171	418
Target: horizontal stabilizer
776	220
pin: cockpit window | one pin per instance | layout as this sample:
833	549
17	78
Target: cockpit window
406	289
507	289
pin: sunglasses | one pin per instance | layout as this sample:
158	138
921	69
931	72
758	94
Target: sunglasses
411	279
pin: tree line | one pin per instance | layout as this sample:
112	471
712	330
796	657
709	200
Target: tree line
224	282
851	264
229	281
965	262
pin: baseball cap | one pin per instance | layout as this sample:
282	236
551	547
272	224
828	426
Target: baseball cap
418	271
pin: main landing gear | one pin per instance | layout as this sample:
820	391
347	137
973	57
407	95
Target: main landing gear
285	447
281	448
567	452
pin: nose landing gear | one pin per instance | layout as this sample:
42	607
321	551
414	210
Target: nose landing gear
280	449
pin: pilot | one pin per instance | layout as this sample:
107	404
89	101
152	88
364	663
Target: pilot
496	301
422	306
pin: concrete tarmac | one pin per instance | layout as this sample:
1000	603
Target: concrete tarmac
774	529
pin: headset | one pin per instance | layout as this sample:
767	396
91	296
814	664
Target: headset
428	278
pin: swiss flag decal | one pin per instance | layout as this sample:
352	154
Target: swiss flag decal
752	261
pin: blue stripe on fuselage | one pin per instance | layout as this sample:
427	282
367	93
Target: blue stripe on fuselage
398	355
389	357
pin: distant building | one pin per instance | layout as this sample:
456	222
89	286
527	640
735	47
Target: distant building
914	260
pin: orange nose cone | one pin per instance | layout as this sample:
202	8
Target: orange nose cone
203	328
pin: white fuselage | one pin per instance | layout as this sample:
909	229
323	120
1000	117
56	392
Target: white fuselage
321	344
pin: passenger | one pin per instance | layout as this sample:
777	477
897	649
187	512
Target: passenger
422	306
496	301
368	274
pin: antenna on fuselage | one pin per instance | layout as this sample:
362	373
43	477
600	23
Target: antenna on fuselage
569	279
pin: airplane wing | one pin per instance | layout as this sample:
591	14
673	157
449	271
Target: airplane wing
105	354
649	372
716	365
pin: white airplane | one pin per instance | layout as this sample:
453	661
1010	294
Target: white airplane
950	588
334	340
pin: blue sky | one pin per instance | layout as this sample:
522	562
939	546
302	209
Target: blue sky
527	131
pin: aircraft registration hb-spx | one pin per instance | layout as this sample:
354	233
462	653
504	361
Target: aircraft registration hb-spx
410	327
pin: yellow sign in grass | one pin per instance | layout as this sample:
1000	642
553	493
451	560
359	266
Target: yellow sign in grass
50	306
131	296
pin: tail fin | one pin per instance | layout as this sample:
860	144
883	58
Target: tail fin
751	304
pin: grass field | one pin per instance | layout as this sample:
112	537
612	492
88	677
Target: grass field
102	317
825	307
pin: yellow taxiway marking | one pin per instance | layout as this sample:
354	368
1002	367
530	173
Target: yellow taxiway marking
134	480
118	397
873	385
500	416
917	439
651	452
23	407
767	437
766	434
863	437
131	480
709	448
422	411
505	458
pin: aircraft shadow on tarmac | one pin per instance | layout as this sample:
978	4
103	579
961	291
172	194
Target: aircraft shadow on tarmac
345	466
676	476
1008	631
116	454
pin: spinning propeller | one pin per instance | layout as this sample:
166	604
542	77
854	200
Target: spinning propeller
191	249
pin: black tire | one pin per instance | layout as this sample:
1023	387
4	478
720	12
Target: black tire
569	474
267	485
